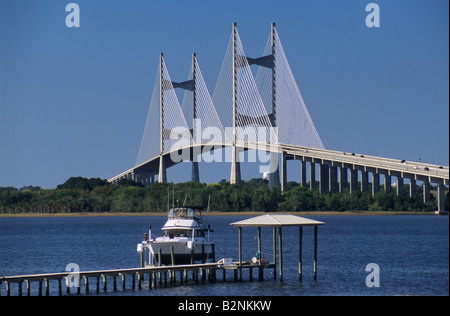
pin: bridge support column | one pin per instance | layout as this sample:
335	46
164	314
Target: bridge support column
333	179
312	175
235	177
375	183
195	176
399	186
426	192
364	181
324	178
343	179
274	177
283	172
387	183
162	176
441	198
412	187
303	174
353	180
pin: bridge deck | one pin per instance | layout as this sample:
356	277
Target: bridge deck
396	167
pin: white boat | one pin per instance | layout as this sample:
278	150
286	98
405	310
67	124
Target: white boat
184	240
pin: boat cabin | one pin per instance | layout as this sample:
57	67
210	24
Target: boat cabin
193	213
184	222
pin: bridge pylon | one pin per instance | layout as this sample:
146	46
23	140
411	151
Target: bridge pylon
162	174
165	85
274	177
235	176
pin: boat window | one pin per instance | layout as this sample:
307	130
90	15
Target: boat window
171	233
190	213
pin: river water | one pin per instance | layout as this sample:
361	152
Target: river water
411	252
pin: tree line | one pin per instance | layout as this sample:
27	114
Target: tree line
79	194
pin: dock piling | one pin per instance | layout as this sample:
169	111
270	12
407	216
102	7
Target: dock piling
274	259
280	254
315	252
240	253
105	283
98	284
86	282
123	280
300	240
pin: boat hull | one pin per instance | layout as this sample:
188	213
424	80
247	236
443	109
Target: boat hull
176	252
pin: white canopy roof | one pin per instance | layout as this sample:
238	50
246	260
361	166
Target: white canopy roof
276	220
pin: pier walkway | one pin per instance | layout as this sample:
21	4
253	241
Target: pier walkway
129	279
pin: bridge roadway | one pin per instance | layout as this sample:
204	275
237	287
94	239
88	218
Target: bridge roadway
328	161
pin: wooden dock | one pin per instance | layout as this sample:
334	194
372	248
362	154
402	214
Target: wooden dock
100	281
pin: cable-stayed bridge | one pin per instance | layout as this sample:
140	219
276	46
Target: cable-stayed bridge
262	110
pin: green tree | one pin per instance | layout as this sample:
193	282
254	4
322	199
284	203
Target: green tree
128	199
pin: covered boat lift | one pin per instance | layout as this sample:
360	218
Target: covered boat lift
274	221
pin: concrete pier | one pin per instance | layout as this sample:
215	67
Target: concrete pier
343	179
364	181
312	172
387	183
426	192
333	179
375	183
324	178
399	186
283	171
162	176
353	180
195	176
303	174
441	199
412	187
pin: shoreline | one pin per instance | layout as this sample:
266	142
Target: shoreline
307	213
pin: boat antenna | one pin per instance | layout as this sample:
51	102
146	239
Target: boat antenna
185	198
168	199
173	196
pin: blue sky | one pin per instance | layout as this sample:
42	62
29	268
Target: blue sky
74	101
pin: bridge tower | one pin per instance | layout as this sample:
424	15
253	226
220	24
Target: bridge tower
235	177
274	177
195	176
164	85
267	62
162	175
